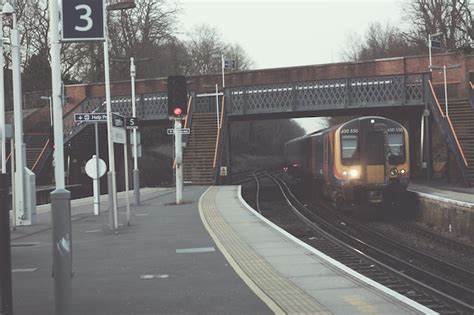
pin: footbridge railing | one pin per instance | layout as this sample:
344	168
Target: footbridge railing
394	90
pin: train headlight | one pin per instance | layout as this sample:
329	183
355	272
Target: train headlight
344	173
402	171
393	171
354	173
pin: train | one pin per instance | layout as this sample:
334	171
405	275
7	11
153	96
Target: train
364	161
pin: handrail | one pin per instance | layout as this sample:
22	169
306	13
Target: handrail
450	125
436	98
218	133
41	154
447	83
188	111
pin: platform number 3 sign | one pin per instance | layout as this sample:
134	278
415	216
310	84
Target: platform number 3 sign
83	20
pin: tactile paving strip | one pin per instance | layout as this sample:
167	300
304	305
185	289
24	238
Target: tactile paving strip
284	295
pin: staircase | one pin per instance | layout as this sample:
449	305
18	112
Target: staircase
35	146
462	117
199	153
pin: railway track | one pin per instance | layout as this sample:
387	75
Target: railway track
401	274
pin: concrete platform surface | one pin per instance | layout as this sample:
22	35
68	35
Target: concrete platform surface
164	263
210	255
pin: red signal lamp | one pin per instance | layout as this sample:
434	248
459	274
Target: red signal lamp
178	111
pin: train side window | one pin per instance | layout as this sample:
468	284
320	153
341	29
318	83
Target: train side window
350	148
396	148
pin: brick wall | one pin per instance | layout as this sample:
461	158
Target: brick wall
391	66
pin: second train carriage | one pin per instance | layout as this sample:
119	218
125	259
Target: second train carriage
364	160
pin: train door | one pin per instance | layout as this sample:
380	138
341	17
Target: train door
373	152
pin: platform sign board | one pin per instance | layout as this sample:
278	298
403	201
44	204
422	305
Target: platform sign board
83	20
132	140
90	117
92	168
119	135
436	44
8	132
139	151
131	122
223	170
118	120
184	131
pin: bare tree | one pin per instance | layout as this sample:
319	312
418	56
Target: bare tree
205	49
453	18
380	41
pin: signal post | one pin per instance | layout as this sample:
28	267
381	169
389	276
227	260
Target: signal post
177	109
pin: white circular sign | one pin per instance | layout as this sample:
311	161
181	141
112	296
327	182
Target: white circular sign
91	168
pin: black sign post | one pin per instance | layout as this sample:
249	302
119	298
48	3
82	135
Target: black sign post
83	20
6	298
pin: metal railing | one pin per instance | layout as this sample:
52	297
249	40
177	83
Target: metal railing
377	91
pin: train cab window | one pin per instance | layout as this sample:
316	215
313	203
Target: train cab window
396	148
350	149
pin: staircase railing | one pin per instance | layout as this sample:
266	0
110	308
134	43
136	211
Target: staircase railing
448	130
189	118
219	140
44	153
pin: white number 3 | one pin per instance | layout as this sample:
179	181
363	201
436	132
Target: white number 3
86	16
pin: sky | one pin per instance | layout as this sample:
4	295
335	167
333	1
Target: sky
285	33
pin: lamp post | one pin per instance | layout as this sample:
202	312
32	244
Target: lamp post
430	46
111	175
136	172
60	197
445	67
23	216
2	102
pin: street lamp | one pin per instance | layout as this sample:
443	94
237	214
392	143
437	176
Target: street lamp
445	67
430	46
25	218
2	100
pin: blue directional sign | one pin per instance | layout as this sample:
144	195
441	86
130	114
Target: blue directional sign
436	44
83	20
90	117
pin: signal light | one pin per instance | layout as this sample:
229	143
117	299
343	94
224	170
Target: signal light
177	96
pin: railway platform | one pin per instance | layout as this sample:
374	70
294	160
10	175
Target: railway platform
446	208
210	255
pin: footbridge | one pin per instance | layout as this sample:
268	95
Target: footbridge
399	86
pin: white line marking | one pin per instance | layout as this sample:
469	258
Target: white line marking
150	277
24	270
142	214
195	250
93	231
27	244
